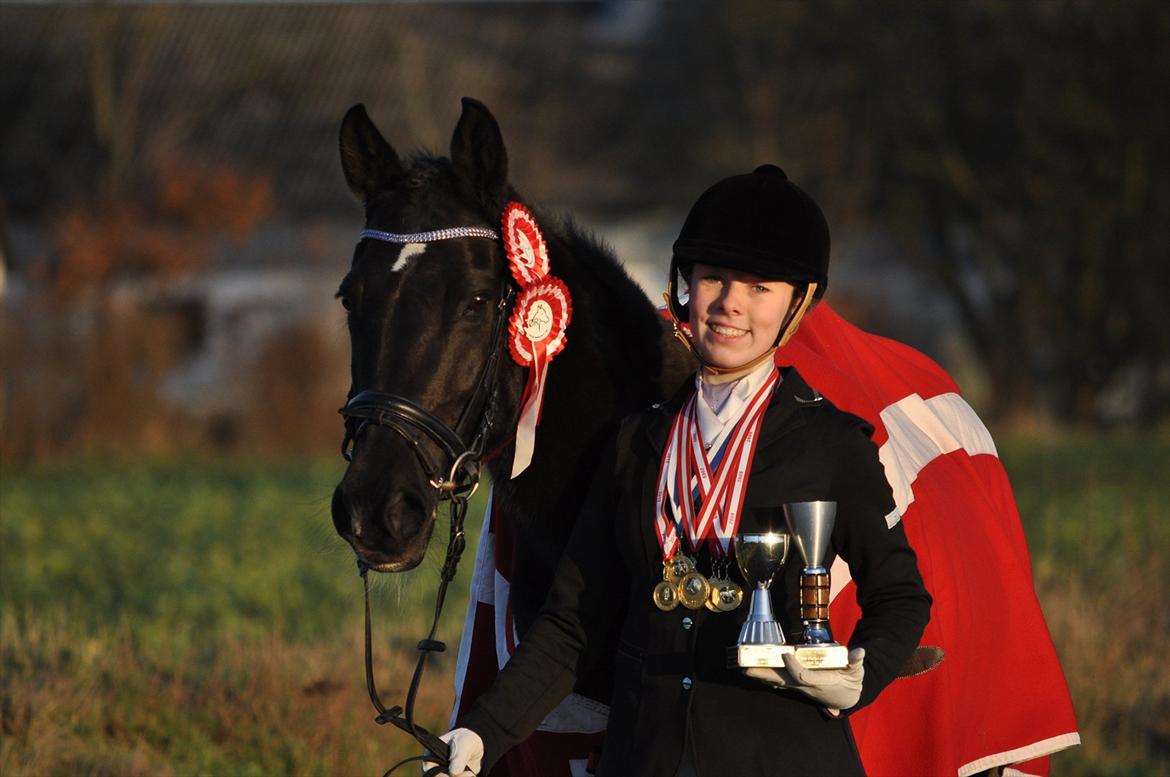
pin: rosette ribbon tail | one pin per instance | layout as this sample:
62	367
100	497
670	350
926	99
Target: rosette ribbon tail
530	410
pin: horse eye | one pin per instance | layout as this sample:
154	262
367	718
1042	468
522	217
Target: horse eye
475	308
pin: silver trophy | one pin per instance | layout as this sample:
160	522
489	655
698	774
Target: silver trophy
811	524
761	640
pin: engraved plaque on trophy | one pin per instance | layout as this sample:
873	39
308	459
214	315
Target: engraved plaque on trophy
761	640
811	525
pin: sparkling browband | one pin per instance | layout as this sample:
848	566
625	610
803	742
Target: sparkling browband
429	237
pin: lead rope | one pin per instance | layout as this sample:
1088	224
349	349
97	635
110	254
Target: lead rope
394	715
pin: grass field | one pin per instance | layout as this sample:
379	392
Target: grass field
195	617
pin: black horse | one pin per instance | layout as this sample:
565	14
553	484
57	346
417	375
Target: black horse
423	327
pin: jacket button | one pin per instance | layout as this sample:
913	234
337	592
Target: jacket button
687	623
687	683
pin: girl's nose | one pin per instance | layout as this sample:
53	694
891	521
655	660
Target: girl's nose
731	300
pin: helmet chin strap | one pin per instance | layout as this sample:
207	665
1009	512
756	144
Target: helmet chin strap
715	374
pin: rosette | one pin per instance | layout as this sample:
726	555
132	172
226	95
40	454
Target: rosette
536	334
524	245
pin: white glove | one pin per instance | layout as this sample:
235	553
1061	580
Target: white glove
466	753
837	689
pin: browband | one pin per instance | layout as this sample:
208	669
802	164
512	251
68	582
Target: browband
429	237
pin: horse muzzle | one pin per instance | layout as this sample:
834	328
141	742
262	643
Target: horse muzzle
389	530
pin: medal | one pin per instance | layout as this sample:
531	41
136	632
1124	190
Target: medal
667	593
677	568
665	596
717	580
694	590
713	517
726	597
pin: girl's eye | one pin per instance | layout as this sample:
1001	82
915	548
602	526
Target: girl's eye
761	288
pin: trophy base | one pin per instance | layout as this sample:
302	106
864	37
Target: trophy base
822	656
747	656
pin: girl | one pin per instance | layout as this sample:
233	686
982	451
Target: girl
754	252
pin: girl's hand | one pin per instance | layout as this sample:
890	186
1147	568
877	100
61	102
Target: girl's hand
837	689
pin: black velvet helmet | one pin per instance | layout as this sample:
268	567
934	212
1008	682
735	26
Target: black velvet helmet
760	223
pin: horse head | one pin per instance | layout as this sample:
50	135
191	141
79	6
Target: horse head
425	319
422	312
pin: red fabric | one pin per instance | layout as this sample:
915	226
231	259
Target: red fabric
1000	687
1000	695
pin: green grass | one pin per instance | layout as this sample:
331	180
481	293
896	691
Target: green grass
1096	511
204	618
200	618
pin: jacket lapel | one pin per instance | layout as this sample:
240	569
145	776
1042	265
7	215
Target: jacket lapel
782	417
658	427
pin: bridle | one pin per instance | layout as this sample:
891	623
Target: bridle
455	477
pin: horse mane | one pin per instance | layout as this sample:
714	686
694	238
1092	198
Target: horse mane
613	365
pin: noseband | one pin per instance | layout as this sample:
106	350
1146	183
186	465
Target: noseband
456	478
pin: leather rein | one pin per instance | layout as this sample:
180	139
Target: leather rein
455	476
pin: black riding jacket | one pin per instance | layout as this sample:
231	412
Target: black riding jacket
672	688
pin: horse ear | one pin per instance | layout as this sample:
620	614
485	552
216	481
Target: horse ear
477	149
368	160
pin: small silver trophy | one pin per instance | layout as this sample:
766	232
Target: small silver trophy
761	640
811	524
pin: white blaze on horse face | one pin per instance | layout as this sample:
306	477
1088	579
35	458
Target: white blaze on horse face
408	251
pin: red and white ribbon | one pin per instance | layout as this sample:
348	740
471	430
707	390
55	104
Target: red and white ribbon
538	322
722	493
537	334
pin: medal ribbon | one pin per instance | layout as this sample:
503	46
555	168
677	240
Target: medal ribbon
667	519
721	493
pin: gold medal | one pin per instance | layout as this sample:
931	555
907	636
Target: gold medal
665	596
716	580
712	598
694	590
726	596
677	568
712	602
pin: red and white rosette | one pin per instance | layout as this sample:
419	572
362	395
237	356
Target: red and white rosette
536	334
524	244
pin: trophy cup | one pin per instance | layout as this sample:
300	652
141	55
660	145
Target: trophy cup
761	640
811	524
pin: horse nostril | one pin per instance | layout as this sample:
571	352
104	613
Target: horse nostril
355	525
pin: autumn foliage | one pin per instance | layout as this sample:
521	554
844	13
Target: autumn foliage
167	233
93	341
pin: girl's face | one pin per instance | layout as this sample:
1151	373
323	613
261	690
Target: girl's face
735	316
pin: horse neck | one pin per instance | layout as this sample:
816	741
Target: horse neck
612	366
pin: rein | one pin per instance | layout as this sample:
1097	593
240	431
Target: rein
403	718
456	478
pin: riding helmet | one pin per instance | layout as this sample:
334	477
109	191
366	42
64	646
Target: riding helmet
760	223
